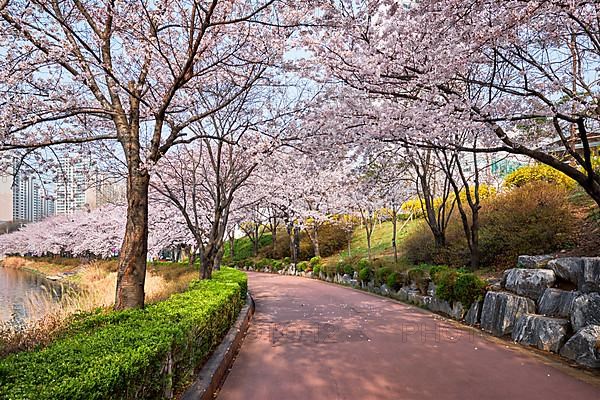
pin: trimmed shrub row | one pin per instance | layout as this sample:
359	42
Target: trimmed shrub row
132	354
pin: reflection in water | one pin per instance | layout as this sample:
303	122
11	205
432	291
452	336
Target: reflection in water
25	296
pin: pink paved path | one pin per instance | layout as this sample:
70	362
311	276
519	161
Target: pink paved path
312	340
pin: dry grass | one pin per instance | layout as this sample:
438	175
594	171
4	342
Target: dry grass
14	262
96	283
42	265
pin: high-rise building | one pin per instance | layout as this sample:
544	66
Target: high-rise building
23	198
6	198
74	189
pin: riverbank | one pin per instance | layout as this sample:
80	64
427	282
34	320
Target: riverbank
94	283
132	354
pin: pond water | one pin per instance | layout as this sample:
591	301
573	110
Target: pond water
25	295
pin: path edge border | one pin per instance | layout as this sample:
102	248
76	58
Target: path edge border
212	375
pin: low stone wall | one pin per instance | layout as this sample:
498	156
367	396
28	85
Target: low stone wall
549	303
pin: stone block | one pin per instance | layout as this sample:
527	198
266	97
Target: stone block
545	333
501	310
529	282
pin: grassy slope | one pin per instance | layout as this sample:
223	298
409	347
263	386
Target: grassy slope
381	244
243	248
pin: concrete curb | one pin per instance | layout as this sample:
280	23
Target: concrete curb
213	373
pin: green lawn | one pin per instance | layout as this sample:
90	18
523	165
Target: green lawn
381	245
243	248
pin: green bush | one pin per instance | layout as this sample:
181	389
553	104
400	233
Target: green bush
418	245
464	287
316	270
419	276
276	265
263	263
446	282
363	263
365	274
345	266
538	173
123	355
315	261
339	267
396	280
435	272
381	275
329	269
469	289
349	269
302	266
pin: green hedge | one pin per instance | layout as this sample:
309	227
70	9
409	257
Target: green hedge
130	354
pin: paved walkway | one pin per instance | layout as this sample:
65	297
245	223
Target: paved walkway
312	340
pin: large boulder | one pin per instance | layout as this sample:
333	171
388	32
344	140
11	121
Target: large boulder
545	333
431	289
529	282
590	276
533	261
501	310
568	268
385	290
474	314
584	347
581	271
419	300
441	306
345	279
557	303
586	311
458	310
402	294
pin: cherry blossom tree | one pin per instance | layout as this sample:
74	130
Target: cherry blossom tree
201	181
77	72
521	74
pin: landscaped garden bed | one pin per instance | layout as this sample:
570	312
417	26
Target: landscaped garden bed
132	354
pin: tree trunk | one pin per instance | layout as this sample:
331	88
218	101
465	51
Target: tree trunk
207	264
274	236
349	246
192	258
132	260
315	241
231	246
289	226
255	240
219	257
369	244
394	234
296	244
475	253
